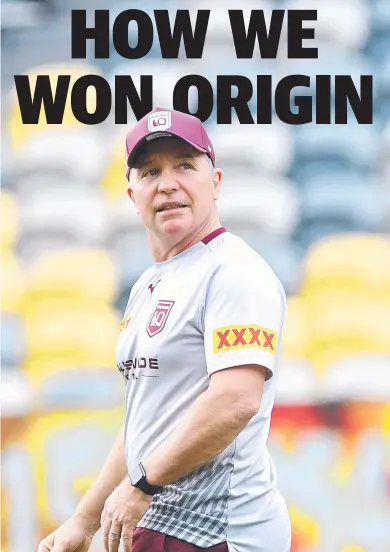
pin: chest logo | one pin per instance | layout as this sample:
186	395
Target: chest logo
124	323
159	317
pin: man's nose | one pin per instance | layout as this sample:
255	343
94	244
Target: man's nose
167	182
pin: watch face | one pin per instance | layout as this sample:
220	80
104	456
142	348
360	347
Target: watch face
135	474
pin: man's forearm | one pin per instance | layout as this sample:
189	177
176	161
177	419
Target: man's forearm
210	425
111	475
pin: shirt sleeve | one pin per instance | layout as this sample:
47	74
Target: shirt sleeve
243	319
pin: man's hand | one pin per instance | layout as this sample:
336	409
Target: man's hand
122	511
75	535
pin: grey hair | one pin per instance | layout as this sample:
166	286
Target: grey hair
210	163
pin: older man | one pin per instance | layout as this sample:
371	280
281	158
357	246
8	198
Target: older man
198	349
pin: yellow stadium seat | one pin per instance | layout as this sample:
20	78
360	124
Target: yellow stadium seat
305	528
39	369
4	518
74	334
295	343
9	217
20	132
73	444
80	274
356	264
114	180
13	285
348	327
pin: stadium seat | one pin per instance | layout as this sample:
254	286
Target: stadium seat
13	284
354	201
77	154
79	441
334	21
332	148
387	200
12	340
114	182
76	334
166	73
132	257
79	215
310	232
66	385
386	137
219	44
16	401
283	256
29	45
379	44
43	180
248	68
382	91
342	326
30	248
296	332
267	149
107	65
17	14
297	383
87	5
9	216
83	275
126	225
19	132
263	192
331	61
356	263
356	378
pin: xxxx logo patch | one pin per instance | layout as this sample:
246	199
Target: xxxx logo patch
244	337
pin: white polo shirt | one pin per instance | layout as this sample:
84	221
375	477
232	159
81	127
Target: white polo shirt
216	305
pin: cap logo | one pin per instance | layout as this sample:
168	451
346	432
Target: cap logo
159	121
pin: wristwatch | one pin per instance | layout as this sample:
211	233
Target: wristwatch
138	480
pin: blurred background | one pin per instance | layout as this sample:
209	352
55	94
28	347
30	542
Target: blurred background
313	200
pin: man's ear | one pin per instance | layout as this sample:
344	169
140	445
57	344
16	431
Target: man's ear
217	182
130	193
131	196
129	188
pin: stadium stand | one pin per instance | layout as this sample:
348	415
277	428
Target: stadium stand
20	132
263	150
72	247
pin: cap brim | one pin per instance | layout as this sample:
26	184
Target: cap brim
150	137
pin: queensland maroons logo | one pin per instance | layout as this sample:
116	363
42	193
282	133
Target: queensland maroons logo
159	317
160	120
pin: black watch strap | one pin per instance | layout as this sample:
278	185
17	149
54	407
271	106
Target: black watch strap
144	486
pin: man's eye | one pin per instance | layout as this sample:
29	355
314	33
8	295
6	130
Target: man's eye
186	165
149	172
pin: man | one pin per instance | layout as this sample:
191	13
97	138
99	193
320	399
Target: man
199	350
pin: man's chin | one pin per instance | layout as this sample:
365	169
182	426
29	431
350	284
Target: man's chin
177	225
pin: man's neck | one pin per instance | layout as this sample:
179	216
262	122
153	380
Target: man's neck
163	250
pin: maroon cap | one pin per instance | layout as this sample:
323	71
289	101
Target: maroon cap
163	122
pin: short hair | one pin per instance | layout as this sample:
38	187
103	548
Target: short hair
210	163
